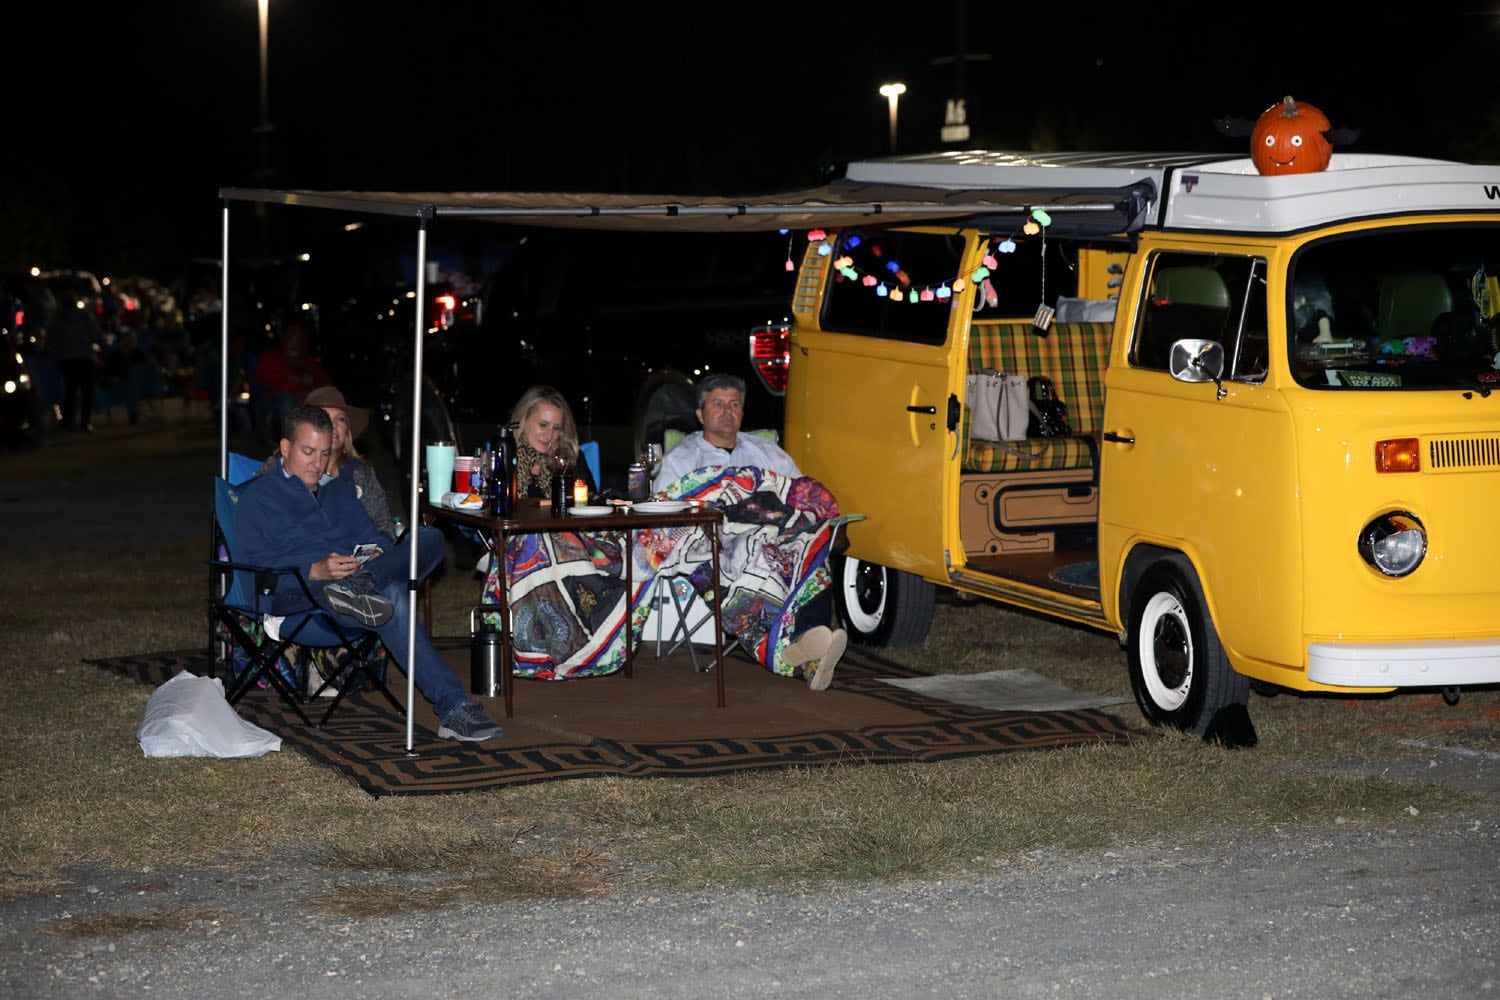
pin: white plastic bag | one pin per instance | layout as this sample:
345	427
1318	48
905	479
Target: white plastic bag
189	717
998	406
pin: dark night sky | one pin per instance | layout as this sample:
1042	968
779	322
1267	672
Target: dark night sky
128	120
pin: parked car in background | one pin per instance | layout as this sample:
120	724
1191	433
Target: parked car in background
20	405
73	285
623	324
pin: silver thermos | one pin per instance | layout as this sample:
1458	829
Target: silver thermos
486	675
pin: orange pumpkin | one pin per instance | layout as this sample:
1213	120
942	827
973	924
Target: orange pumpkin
1289	139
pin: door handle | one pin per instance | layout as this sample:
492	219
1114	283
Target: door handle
1114	438
922	409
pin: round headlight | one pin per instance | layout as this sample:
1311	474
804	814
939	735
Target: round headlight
1394	543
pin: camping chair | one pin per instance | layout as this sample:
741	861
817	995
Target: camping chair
676	596
589	452
242	469
238	603
691	612
672	436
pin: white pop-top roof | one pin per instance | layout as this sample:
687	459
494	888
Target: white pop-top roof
1199	191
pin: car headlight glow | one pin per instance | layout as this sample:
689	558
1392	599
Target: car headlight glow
1394	543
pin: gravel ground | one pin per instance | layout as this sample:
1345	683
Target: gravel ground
1393	910
1387	911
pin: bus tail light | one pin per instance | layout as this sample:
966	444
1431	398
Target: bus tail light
770	353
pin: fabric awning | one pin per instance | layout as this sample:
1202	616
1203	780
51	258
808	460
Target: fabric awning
839	204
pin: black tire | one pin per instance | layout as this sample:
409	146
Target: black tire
880	606
1178	671
437	425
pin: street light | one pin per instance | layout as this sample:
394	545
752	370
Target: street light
892	93
263	130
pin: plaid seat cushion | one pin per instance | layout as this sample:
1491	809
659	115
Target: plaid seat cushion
1073	356
1033	453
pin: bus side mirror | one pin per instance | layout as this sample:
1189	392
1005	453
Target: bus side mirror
1197	361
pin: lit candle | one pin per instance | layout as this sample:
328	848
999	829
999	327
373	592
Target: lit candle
580	492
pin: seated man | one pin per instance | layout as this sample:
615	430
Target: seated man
298	515
721	407
816	648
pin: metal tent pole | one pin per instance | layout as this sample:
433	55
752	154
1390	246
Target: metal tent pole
414	520
224	348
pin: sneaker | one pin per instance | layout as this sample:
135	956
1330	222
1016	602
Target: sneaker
356	597
467	722
820	673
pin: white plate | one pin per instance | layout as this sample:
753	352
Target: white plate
661	506
456	504
586	510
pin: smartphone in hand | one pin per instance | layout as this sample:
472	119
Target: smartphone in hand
366	551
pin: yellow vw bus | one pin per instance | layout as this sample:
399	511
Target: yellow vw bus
1282	459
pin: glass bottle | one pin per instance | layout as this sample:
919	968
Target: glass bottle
503	473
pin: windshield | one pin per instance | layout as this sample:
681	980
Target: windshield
1410	308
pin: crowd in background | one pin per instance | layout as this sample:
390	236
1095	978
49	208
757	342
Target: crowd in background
107	350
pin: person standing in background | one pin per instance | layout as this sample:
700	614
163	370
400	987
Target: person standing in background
285	375
73	339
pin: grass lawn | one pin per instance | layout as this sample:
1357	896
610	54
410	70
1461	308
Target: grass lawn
123	573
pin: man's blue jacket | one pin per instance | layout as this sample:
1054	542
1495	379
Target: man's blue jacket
280	522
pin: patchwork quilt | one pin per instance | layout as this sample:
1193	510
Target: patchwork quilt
567	589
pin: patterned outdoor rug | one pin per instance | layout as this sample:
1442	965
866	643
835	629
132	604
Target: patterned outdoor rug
1079	574
661	723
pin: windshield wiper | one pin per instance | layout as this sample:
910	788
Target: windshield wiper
1468	382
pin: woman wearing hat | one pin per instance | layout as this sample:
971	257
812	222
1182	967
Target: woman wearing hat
348	423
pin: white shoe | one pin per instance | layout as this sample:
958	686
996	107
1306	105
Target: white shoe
810	645
821	675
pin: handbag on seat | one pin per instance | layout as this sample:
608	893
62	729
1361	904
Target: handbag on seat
998	404
1049	415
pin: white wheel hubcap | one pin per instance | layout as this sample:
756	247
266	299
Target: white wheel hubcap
1166	652
863	586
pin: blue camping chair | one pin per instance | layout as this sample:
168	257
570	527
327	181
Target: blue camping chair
242	468
590	452
237	604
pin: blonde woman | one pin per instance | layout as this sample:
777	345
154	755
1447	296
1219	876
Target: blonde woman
545	433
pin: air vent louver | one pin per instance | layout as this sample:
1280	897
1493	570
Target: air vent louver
1463	454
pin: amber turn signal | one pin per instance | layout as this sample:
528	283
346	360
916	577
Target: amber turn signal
1398	455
